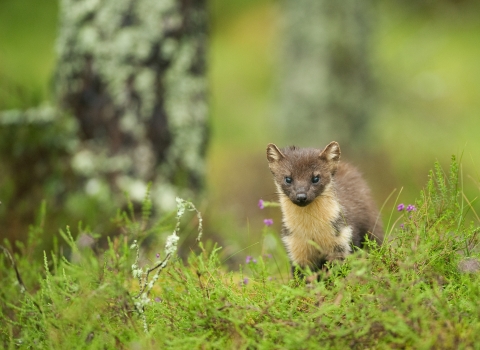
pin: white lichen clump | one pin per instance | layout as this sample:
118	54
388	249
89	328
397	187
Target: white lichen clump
171	244
142	274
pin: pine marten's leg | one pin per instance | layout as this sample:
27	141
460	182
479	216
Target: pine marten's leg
318	265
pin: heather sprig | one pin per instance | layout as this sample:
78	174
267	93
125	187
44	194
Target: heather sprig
268	222
408	208
265	204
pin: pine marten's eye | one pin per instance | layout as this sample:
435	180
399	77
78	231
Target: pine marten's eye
315	179
288	180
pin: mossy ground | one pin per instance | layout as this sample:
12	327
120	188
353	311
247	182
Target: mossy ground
418	290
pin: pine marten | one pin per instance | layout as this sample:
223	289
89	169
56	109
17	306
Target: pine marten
326	205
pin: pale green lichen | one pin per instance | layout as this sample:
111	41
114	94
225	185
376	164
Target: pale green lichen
39	115
46	116
93	187
115	39
134	187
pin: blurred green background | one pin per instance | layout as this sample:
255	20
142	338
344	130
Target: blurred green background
426	65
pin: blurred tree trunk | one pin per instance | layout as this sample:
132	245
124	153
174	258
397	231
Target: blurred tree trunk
133	74
325	86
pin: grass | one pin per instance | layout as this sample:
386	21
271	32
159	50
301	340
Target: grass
418	290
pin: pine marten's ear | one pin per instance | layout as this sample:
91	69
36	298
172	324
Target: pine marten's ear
273	153
331	152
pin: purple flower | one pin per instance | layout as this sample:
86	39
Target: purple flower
245	281
158	255
157	300
260	204
411	208
400	207
268	222
402	226
248	259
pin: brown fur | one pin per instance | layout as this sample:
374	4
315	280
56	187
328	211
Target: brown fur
326	205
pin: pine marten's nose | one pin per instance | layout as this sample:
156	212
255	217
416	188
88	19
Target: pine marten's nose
302	197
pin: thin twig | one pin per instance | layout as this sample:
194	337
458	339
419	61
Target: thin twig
23	289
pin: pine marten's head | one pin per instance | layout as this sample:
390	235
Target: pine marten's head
303	174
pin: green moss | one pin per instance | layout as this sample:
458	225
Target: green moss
410	293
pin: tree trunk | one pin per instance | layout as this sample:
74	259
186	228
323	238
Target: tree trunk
325	85
133	74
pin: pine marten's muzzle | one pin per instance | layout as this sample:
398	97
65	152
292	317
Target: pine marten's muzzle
302	197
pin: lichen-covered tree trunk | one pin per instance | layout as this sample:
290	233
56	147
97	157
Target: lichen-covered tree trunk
325	82
133	73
